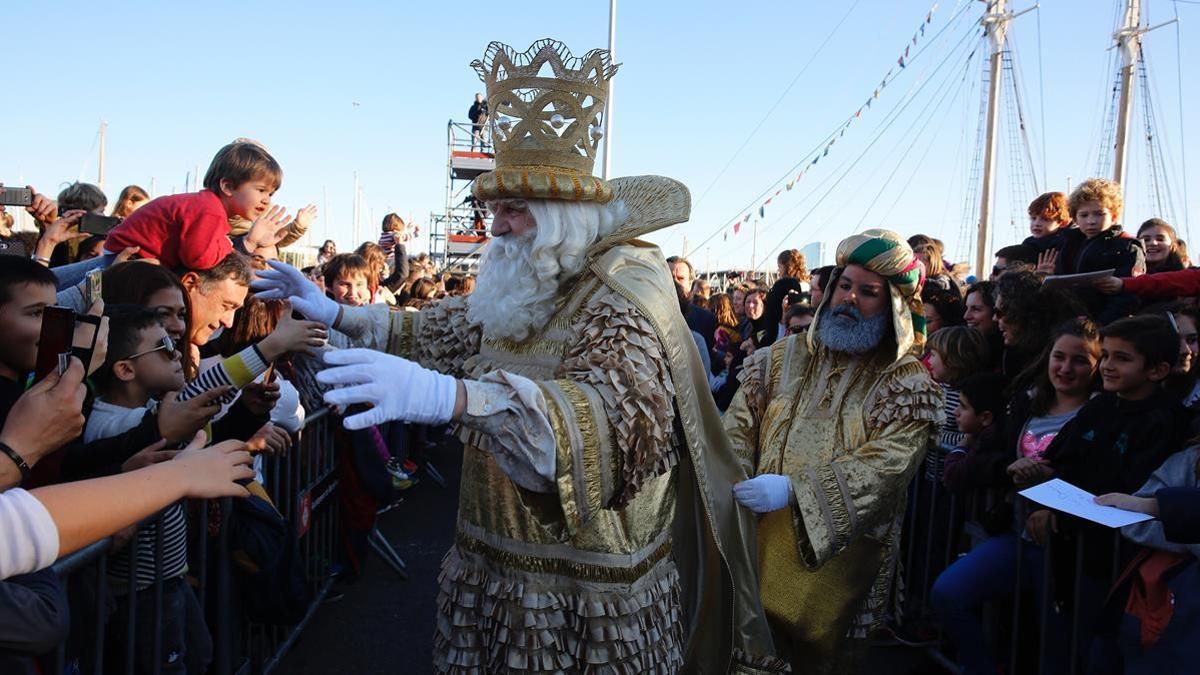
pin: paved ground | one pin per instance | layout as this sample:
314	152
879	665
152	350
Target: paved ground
385	625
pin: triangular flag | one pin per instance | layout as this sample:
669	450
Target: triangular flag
901	62
737	226
778	191
826	151
726	237
769	200
906	52
876	94
815	160
922	30
762	213
914	38
859	113
869	102
929	16
843	131
790	184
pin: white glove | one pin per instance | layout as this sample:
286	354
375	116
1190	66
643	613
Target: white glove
768	492
284	282
397	388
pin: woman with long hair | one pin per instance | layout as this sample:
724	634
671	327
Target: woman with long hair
727	336
130	199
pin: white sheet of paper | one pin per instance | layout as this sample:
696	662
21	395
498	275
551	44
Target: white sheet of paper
1080	279
1062	496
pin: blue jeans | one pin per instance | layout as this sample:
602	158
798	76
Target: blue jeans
73	274
987	572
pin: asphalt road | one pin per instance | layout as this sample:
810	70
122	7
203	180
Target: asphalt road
383	624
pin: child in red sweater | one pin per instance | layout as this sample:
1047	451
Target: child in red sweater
191	231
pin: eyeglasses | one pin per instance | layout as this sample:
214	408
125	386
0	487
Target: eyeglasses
165	344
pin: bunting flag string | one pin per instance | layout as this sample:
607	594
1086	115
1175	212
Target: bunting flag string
902	62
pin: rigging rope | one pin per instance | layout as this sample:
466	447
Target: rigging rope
805	159
775	105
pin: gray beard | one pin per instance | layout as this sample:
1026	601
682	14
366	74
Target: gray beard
843	329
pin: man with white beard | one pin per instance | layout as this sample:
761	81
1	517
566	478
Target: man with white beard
832	425
597	529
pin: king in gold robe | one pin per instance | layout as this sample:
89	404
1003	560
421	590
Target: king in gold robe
840	429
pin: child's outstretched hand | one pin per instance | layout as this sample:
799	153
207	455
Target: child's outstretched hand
293	335
306	216
267	230
1147	505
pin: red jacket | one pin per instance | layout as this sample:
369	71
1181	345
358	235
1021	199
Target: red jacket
1181	283
180	231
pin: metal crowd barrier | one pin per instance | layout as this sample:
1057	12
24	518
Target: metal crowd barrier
302	484
940	527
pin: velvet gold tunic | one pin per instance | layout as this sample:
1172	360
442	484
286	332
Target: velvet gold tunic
849	432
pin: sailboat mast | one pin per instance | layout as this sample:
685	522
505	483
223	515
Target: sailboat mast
995	23
1129	40
100	172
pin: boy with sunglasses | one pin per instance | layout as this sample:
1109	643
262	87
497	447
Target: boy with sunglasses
143	365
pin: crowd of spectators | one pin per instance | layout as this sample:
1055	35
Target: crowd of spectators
172	383
1074	360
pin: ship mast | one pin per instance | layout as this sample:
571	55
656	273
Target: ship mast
1129	41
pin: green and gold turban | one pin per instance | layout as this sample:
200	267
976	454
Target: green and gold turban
886	254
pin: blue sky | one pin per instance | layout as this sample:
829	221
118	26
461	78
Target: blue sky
177	81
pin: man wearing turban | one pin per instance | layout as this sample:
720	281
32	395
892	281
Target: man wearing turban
832	425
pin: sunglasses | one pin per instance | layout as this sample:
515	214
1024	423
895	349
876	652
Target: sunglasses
998	270
166	344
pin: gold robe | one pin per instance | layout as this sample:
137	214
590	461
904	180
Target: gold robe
638	560
849	432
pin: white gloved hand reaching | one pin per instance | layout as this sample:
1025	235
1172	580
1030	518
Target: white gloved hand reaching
284	282
397	388
768	492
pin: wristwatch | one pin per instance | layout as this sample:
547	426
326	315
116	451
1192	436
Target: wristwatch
17	459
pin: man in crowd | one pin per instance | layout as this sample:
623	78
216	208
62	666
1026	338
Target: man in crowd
596	527
698	319
832	425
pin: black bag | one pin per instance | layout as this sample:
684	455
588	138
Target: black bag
267	557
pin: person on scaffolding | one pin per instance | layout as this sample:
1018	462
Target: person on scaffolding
478	114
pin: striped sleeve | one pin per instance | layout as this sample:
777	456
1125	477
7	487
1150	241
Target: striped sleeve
236	371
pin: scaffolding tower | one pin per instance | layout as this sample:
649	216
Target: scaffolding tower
458	235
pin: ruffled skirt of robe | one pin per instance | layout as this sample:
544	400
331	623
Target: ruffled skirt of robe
493	619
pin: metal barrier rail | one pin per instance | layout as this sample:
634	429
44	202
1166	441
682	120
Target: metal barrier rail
940	527
300	483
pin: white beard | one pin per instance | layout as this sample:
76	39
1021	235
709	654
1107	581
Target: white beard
516	291
511	295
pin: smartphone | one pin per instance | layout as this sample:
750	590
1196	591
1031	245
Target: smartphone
58	331
97	224
93	288
16	196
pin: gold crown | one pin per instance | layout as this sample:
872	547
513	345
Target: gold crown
547	119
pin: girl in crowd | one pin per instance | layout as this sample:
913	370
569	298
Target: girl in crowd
979	312
1060	382
1162	246
727	336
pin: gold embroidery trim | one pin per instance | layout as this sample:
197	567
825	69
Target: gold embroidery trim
839	514
400	338
585	419
565	454
564	568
